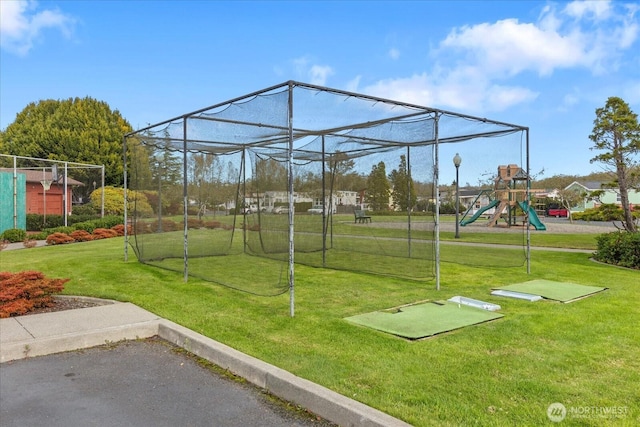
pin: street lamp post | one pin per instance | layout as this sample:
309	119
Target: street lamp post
457	160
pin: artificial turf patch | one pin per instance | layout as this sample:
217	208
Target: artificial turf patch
424	320
557	291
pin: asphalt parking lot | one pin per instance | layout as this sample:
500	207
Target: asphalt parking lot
134	383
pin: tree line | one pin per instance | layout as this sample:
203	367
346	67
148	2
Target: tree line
86	130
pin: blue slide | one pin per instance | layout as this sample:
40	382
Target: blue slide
533	217
479	213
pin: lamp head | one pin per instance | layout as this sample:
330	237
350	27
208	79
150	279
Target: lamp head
457	160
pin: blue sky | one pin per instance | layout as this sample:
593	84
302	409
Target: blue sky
545	65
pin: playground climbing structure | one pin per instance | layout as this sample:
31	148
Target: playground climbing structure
507	201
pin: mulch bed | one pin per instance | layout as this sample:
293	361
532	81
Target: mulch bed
61	304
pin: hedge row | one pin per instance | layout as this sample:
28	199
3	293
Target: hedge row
605	212
60	238
619	248
38	222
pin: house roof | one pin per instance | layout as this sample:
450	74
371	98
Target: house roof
587	185
34	175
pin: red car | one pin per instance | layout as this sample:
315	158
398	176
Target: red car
557	211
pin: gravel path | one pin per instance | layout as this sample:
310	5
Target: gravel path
554	225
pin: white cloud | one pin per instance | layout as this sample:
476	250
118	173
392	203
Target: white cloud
461	90
394	53
21	24
318	74
315	74
599	10
475	66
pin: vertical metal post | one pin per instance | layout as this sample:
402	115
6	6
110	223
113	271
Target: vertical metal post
126	219
44	198
102	201
324	207
457	236
15	192
291	213
65	197
409	204
528	204
185	199
437	213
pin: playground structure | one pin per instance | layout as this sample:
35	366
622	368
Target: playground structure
506	201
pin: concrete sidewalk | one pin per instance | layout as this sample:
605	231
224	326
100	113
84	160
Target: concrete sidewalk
50	333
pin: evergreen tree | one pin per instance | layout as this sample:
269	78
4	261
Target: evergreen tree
81	130
616	133
404	193
378	188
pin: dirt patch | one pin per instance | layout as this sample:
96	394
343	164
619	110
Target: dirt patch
63	302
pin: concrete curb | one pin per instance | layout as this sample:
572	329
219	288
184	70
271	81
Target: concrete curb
49	333
317	399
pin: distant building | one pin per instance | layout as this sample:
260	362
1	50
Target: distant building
39	201
609	195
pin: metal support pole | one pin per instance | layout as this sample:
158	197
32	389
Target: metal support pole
437	209
126	219
457	236
102	201
291	213
185	200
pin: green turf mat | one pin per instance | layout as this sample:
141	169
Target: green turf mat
558	291
424	320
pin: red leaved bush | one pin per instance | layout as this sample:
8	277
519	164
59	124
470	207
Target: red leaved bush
24	291
120	229
81	236
104	233
59	239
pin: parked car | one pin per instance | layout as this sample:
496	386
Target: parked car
280	210
557	211
248	210
317	210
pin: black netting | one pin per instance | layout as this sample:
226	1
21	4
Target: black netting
318	177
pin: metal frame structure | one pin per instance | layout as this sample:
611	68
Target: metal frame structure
374	125
66	166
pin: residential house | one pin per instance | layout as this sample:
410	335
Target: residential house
609	195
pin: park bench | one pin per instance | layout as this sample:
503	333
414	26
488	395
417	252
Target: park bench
361	216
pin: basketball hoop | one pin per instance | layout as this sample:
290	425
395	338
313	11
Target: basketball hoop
46	184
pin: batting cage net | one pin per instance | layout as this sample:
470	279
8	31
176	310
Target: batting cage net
239	192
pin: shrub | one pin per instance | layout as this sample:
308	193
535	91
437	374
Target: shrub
212	224
34	222
605	212
619	248
81	236
30	243
61	229
14	235
85	210
40	236
167	225
59	239
74	219
104	233
119	229
24	291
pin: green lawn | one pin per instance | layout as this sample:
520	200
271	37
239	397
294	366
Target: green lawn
505	372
